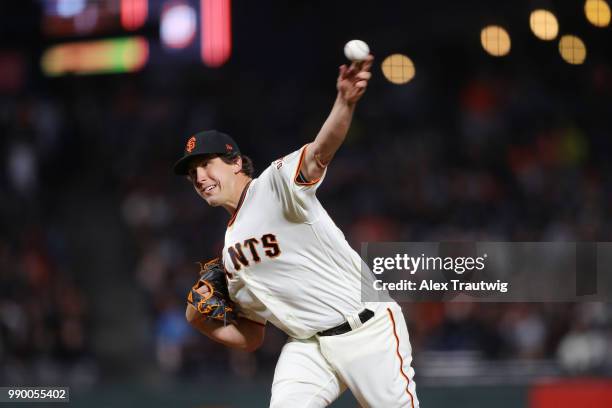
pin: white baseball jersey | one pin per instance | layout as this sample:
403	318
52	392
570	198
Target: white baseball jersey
288	263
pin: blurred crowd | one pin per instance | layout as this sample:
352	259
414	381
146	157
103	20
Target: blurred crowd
45	318
87	167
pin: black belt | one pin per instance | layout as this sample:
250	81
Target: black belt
364	316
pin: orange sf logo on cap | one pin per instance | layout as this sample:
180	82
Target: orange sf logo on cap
190	144
229	147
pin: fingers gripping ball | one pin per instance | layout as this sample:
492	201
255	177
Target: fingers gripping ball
209	295
356	50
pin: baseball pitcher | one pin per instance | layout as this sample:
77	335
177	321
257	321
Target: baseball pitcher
286	262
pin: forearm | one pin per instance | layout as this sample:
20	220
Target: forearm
329	139
351	85
334	130
243	335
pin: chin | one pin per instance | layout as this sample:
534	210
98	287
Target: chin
212	202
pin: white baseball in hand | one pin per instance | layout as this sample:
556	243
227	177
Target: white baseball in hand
356	50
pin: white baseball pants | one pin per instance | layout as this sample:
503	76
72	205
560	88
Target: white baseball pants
373	361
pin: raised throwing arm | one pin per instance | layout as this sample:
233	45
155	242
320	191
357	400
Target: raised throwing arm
351	85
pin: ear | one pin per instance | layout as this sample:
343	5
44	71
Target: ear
237	165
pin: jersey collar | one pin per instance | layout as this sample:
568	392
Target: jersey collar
242	196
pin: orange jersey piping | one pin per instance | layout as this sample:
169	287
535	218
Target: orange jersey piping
297	171
242	196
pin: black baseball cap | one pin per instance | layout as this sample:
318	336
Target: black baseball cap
202	143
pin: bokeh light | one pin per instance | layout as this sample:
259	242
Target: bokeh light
178	25
572	49
398	69
597	12
117	55
544	24
216	32
133	13
70	8
495	40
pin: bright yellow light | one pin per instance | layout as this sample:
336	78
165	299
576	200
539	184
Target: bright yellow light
597	12
495	40
544	24
398	69
572	49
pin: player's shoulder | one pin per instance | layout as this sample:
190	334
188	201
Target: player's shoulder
290	158
281	168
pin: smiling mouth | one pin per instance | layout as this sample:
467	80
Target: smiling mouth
209	188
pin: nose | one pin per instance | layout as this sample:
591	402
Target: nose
200	176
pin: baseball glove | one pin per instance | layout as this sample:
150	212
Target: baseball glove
214	304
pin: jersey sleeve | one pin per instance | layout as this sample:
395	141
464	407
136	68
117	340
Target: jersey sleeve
296	194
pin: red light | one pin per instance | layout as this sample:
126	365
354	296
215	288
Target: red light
133	13
216	32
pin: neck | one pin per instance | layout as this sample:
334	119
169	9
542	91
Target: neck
232	204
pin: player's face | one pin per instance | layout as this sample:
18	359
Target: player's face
212	179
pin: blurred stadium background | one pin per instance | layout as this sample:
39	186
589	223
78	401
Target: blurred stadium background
483	121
